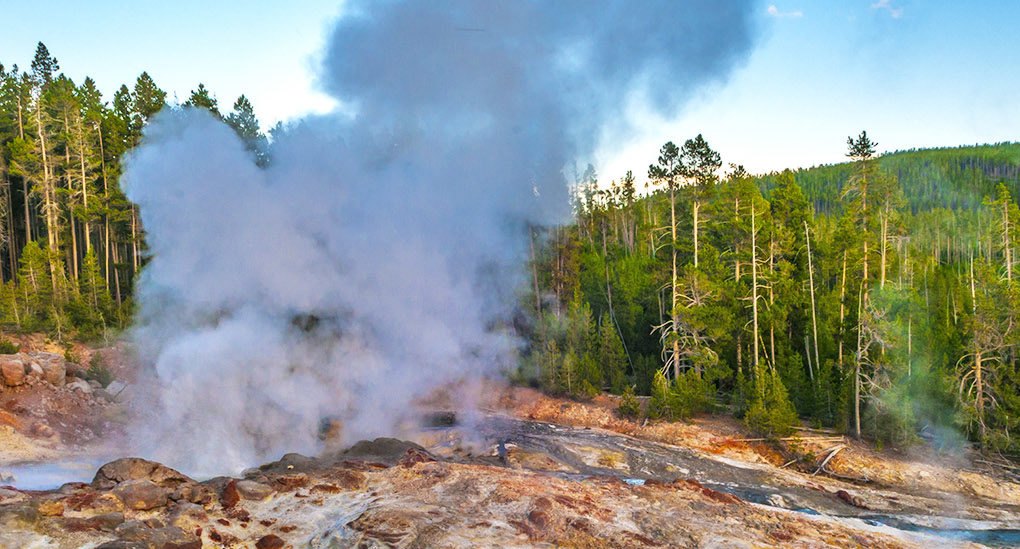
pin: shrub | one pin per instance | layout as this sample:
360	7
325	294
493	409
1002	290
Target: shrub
8	347
70	355
691	394
587	391
660	406
771	413
629	406
98	371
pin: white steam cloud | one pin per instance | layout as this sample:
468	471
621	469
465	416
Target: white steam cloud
377	254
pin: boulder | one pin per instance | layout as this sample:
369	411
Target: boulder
126	469
80	385
54	367
254	491
141	495
116	389
35	370
8	496
161	536
385	450
105	522
230	496
12	370
187	516
54	373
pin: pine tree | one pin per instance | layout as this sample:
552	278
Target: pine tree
202	99
612	358
246	125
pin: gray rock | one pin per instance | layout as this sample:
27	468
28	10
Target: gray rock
254	491
163	536
141	495
35	370
11	496
54	367
116	387
80	385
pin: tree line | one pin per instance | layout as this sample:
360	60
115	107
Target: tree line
71	244
878	296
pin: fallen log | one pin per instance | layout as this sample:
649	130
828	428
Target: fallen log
828	458
793	438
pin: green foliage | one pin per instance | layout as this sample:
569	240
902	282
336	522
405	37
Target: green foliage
70	355
71	244
202	98
611	357
692	394
661	404
687	395
770	414
97	371
629	406
8	347
919	216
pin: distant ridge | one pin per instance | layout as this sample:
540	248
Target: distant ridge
946	177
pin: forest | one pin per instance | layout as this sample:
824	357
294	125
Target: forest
71	244
876	296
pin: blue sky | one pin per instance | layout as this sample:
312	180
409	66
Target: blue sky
914	73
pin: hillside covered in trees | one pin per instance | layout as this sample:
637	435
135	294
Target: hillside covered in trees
70	242
877	296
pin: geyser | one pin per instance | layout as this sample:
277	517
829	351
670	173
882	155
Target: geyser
398	225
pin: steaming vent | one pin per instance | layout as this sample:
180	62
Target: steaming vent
378	254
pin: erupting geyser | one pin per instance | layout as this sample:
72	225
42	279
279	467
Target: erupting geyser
398	226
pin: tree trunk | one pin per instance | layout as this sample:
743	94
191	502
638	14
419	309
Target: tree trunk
885	229
842	311
134	241
772	303
116	275
814	317
807	353
754	294
84	186
697	207
28	211
674	311
857	363
106	212
736	246
49	202
979	402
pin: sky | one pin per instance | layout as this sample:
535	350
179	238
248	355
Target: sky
913	73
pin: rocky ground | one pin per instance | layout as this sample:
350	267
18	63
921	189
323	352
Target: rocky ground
923	469
47	406
566	474
389	493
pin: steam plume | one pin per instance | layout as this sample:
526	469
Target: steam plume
370	260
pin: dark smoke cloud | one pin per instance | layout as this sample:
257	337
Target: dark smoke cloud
370	260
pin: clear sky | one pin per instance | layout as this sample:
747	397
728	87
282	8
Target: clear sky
914	73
